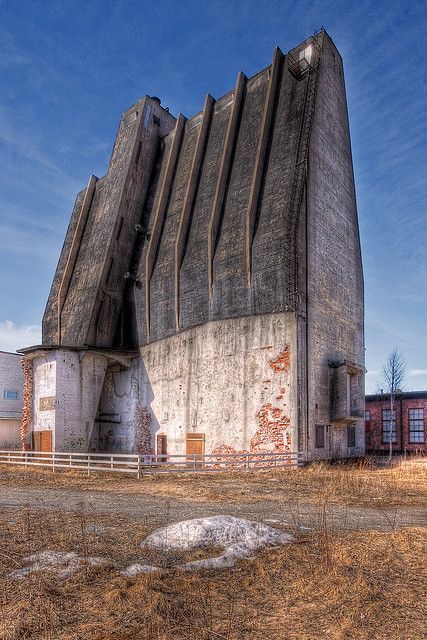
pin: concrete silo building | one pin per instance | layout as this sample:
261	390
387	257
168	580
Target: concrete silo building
209	293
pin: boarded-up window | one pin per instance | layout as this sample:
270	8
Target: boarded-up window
319	436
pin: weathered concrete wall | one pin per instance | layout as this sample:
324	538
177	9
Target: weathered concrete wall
119	410
232	380
67	388
44	387
93	298
335	278
80	377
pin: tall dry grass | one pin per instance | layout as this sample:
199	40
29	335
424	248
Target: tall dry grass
356	484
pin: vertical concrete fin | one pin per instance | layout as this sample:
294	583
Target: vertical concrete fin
72	257
160	212
190	195
261	156
224	169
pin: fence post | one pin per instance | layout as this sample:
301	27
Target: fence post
111	462
53	462
139	466
88	464
70	459
247	461
194	462
26	458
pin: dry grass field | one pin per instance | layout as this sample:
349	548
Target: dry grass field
400	485
330	583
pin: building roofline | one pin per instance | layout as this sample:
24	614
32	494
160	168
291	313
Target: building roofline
10	353
409	395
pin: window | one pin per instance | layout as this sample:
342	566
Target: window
389	426
351	436
10	395
416	426
319	436
367	415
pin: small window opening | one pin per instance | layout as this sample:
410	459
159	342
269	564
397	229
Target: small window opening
156	121
10	394
320	436
351	436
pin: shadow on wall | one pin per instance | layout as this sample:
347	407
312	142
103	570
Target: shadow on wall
125	422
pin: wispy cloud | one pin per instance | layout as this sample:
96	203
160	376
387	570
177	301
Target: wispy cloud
24	143
417	372
13	336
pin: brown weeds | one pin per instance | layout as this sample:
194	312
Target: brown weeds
331	583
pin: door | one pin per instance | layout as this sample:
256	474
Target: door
42	441
162	447
195	447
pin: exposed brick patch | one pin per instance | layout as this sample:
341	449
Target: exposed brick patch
282	363
224	450
27	403
143	430
273	433
270	435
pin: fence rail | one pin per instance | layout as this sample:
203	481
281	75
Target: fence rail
148	464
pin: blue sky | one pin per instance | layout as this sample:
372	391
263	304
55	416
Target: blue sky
68	69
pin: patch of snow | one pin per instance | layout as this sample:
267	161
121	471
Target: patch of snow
59	562
137	568
238	537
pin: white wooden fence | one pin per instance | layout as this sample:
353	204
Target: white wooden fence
148	464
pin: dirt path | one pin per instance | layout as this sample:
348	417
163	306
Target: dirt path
160	510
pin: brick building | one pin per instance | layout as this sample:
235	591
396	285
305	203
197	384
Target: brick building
11	390
408	424
209	294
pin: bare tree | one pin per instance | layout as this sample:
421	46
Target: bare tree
393	376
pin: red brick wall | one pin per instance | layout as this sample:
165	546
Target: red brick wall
373	426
